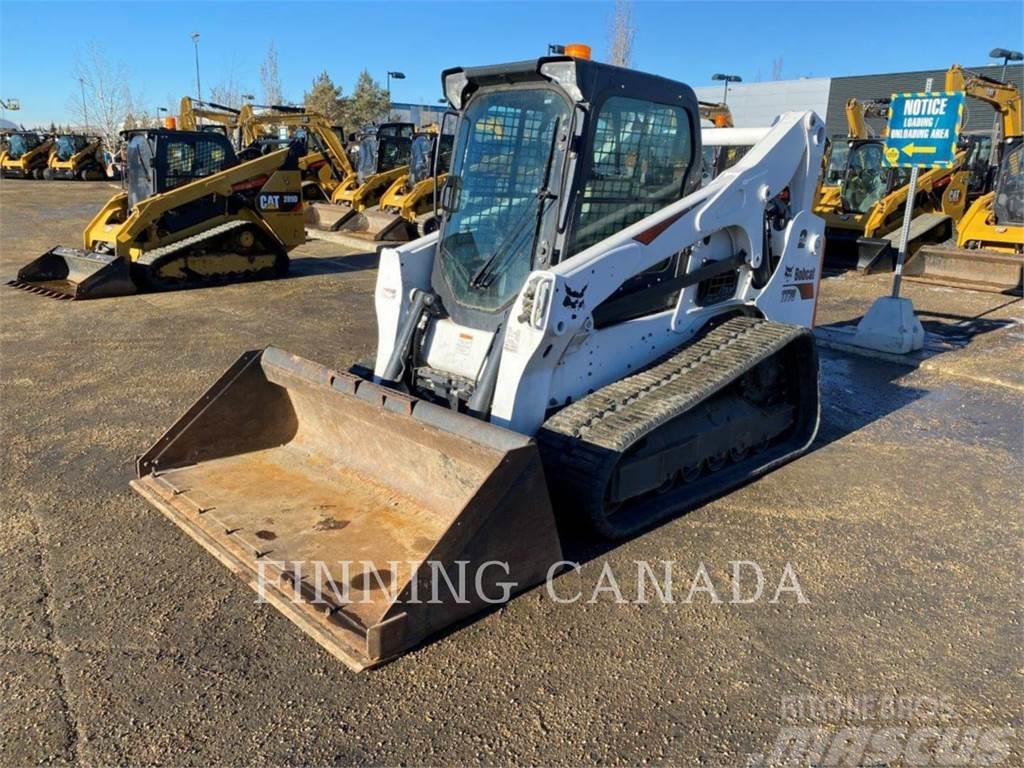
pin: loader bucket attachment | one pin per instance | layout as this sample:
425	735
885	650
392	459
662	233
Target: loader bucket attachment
375	224
354	509
975	269
71	273
327	216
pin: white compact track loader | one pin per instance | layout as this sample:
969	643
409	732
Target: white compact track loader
590	331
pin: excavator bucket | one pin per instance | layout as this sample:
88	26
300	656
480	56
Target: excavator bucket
71	273
370	519
979	270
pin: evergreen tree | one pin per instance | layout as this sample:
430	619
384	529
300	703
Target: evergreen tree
325	97
368	104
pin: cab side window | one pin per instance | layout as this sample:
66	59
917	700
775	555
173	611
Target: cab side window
641	154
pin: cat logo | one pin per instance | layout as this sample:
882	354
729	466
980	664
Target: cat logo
278	202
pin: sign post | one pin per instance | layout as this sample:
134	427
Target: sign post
922	133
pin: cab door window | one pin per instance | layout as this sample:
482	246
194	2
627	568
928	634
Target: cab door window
641	154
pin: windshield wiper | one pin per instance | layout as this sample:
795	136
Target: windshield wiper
484	277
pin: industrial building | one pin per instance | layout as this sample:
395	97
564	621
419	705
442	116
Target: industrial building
754	104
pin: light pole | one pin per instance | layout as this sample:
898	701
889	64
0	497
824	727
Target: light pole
394	76
726	79
199	90
158	111
85	111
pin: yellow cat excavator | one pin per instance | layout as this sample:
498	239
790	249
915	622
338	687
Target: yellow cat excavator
191	215
225	120
26	155
406	209
988	253
324	164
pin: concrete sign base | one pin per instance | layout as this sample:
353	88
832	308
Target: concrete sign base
890	326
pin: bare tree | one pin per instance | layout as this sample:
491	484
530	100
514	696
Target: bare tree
777	68
270	81
108	99
228	91
621	33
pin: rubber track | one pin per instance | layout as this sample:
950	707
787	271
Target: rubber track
148	258
582	444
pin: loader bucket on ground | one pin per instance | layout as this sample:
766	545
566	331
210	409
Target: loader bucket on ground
375	224
976	269
327	216
370	519
71	273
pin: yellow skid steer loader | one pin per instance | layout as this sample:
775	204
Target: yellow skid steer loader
406	210
26	155
383	159
191	215
589	326
75	156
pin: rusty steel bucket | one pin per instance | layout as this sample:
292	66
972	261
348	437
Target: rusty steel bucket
72	273
327	216
287	471
377	225
976	269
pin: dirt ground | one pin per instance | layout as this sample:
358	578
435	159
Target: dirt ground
123	642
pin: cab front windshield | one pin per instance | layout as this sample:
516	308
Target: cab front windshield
504	160
864	183
1008	205
20	143
68	146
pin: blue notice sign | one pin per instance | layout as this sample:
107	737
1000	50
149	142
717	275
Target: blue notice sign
923	129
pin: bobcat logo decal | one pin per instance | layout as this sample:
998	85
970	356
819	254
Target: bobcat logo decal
574	299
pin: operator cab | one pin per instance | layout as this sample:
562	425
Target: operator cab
866	180
978	147
70	145
19	144
381	153
427	158
1008	204
159	160
550	157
